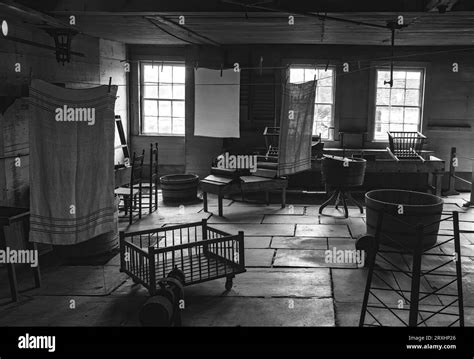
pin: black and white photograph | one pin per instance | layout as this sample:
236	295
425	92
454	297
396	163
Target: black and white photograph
173	167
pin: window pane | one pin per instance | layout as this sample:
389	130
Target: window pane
326	79
178	92
396	126
178	109
166	74
324	95
166	91
178	126
164	124
413	79
323	113
309	74
150	108
150	74
324	75
397	97
383	97
412	116
382	114
411	128
164	108
179	74
296	75
150	90
399	79
323	129
150	125
381	77
396	115
384	128
412	98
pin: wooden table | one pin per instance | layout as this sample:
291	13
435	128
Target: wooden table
433	166
8	216
242	185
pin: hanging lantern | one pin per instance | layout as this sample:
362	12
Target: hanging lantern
62	42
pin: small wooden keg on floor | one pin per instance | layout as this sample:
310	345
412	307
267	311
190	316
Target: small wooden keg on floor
162	310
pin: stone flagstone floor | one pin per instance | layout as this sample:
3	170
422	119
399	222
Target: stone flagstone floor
288	280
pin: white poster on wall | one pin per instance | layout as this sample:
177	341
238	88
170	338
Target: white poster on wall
216	103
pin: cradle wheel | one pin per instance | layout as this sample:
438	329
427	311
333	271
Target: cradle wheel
228	284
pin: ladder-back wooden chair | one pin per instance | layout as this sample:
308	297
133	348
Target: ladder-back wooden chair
151	185
130	193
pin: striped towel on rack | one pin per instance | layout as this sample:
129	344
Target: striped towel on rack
71	163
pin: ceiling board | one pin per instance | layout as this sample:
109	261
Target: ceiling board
425	29
219	6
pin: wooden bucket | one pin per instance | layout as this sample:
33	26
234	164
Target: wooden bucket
400	229
179	188
336	174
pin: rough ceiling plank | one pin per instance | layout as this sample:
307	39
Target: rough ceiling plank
425	29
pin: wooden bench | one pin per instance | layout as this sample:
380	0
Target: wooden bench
222	187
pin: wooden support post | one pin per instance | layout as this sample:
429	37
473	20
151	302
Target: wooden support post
470	203
452	171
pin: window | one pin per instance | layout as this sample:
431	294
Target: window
162	89
324	103
398	108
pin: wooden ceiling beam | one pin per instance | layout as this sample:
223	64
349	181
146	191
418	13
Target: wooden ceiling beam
301	13
35	17
183	30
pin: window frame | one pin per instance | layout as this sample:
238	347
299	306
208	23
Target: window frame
422	67
311	66
158	63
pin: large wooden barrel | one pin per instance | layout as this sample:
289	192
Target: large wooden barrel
343	172
399	229
179	188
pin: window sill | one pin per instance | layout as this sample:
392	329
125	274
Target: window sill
160	135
